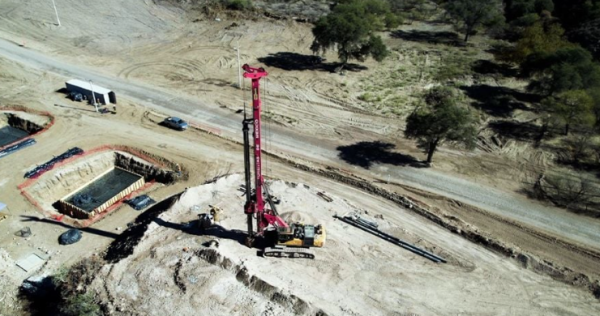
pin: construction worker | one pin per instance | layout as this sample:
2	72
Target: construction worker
114	108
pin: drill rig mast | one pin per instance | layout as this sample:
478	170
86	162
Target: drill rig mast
269	226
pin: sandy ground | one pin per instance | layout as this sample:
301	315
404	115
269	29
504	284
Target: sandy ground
191	67
313	112
195	150
356	274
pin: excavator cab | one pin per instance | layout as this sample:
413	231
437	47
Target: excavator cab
300	235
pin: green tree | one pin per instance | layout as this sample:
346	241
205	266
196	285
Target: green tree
469	15
570	68
541	37
588	35
440	120
350	28
80	305
517	9
571	107
595	95
573	13
240	5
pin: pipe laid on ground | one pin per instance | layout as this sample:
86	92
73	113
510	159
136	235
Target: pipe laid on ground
392	239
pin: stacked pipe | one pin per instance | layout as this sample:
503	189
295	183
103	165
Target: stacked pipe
370	227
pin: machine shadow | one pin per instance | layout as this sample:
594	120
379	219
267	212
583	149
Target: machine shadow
365	154
216	230
99	232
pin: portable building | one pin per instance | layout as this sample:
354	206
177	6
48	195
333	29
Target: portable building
102	95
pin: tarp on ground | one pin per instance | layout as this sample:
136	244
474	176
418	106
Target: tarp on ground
71	236
50	164
140	202
13	148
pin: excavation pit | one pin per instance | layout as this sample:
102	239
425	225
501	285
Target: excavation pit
17	125
9	135
101	193
86	187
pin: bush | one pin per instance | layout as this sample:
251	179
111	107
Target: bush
80	305
240	5
368	97
571	191
453	68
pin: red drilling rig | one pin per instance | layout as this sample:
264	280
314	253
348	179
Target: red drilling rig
281	239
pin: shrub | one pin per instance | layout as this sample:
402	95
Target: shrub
80	305
240	5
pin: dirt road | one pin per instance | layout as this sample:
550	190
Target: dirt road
549	219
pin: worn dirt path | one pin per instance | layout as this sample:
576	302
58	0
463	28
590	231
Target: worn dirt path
549	219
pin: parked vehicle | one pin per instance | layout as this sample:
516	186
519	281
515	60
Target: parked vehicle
76	96
175	123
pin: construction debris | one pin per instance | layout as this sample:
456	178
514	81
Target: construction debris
325	196
24	232
18	146
140	202
368	226
71	236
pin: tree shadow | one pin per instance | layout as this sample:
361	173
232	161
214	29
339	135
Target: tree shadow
365	154
446	38
518	131
499	101
294	61
487	67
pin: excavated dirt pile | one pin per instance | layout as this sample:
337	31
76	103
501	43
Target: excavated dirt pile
168	265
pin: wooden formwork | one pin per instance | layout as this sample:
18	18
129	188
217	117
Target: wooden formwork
79	213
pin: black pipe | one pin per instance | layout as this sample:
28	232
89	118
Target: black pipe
392	239
247	174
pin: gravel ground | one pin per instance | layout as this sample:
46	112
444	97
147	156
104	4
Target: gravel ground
354	274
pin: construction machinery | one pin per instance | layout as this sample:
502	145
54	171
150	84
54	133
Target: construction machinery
279	238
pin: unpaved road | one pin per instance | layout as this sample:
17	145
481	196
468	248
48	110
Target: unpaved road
553	220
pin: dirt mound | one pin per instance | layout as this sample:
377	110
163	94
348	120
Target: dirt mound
5	261
352	269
